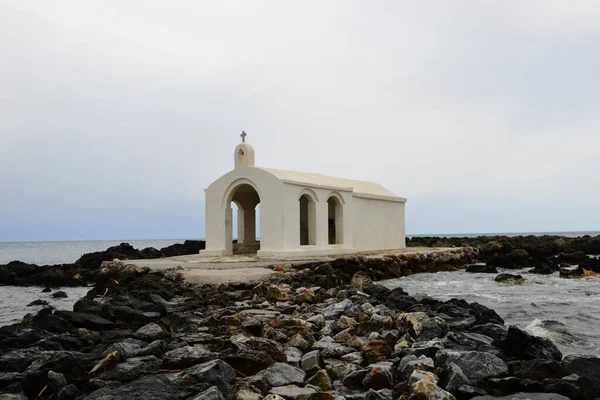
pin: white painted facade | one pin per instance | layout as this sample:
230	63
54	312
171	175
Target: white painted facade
300	213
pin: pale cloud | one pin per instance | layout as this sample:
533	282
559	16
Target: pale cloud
115	115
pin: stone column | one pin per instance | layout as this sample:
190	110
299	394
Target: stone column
241	237
228	231
249	225
322	224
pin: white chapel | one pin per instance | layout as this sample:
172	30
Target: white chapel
301	214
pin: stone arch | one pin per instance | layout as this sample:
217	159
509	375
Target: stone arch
310	193
307	202
337	196
245	195
233	186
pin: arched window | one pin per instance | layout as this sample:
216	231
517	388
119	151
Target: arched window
307	221
335	220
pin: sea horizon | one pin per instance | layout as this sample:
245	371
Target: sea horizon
408	235
50	252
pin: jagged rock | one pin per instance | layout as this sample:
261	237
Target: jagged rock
212	393
524	396
317	320
132	368
571	257
354	380
279	293
355	358
536	369
360	279
380	376
501	261
38	302
409	363
338	370
481	268
47	321
475	364
151	331
345	336
109	360
280	374
154	387
320	379
375	350
293	355
311	362
427	349
572	386
543	269
86	320
245	394
470	341
69	392
423	386
129	347
420	326
298	341
344	322
494	331
455	378
292	392
571	272
336	350
383	394
510	279
519	344
56	380
59	295
336	310
583	365
519	257
214	372
13	396
185	357
156	348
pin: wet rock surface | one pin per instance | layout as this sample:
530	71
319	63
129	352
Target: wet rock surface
316	331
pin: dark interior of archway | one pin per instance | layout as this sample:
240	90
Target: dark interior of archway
246	198
304	235
331	205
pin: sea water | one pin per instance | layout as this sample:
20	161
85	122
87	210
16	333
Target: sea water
567	311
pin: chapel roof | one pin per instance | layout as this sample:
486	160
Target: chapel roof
311	179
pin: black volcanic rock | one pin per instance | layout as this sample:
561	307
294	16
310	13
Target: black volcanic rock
479	268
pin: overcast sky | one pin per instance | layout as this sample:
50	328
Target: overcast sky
115	115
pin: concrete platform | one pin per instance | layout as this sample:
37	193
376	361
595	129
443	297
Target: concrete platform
248	268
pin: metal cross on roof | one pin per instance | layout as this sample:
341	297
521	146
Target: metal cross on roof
243	135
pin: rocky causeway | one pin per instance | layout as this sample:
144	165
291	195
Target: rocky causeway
309	329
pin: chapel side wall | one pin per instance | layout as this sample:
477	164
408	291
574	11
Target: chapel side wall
378	224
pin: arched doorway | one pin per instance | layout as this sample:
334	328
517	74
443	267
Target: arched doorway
335	219
244	200
307	221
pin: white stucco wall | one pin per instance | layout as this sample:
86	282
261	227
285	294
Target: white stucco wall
378	224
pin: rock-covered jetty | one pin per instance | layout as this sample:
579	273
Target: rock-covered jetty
84	270
311	332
